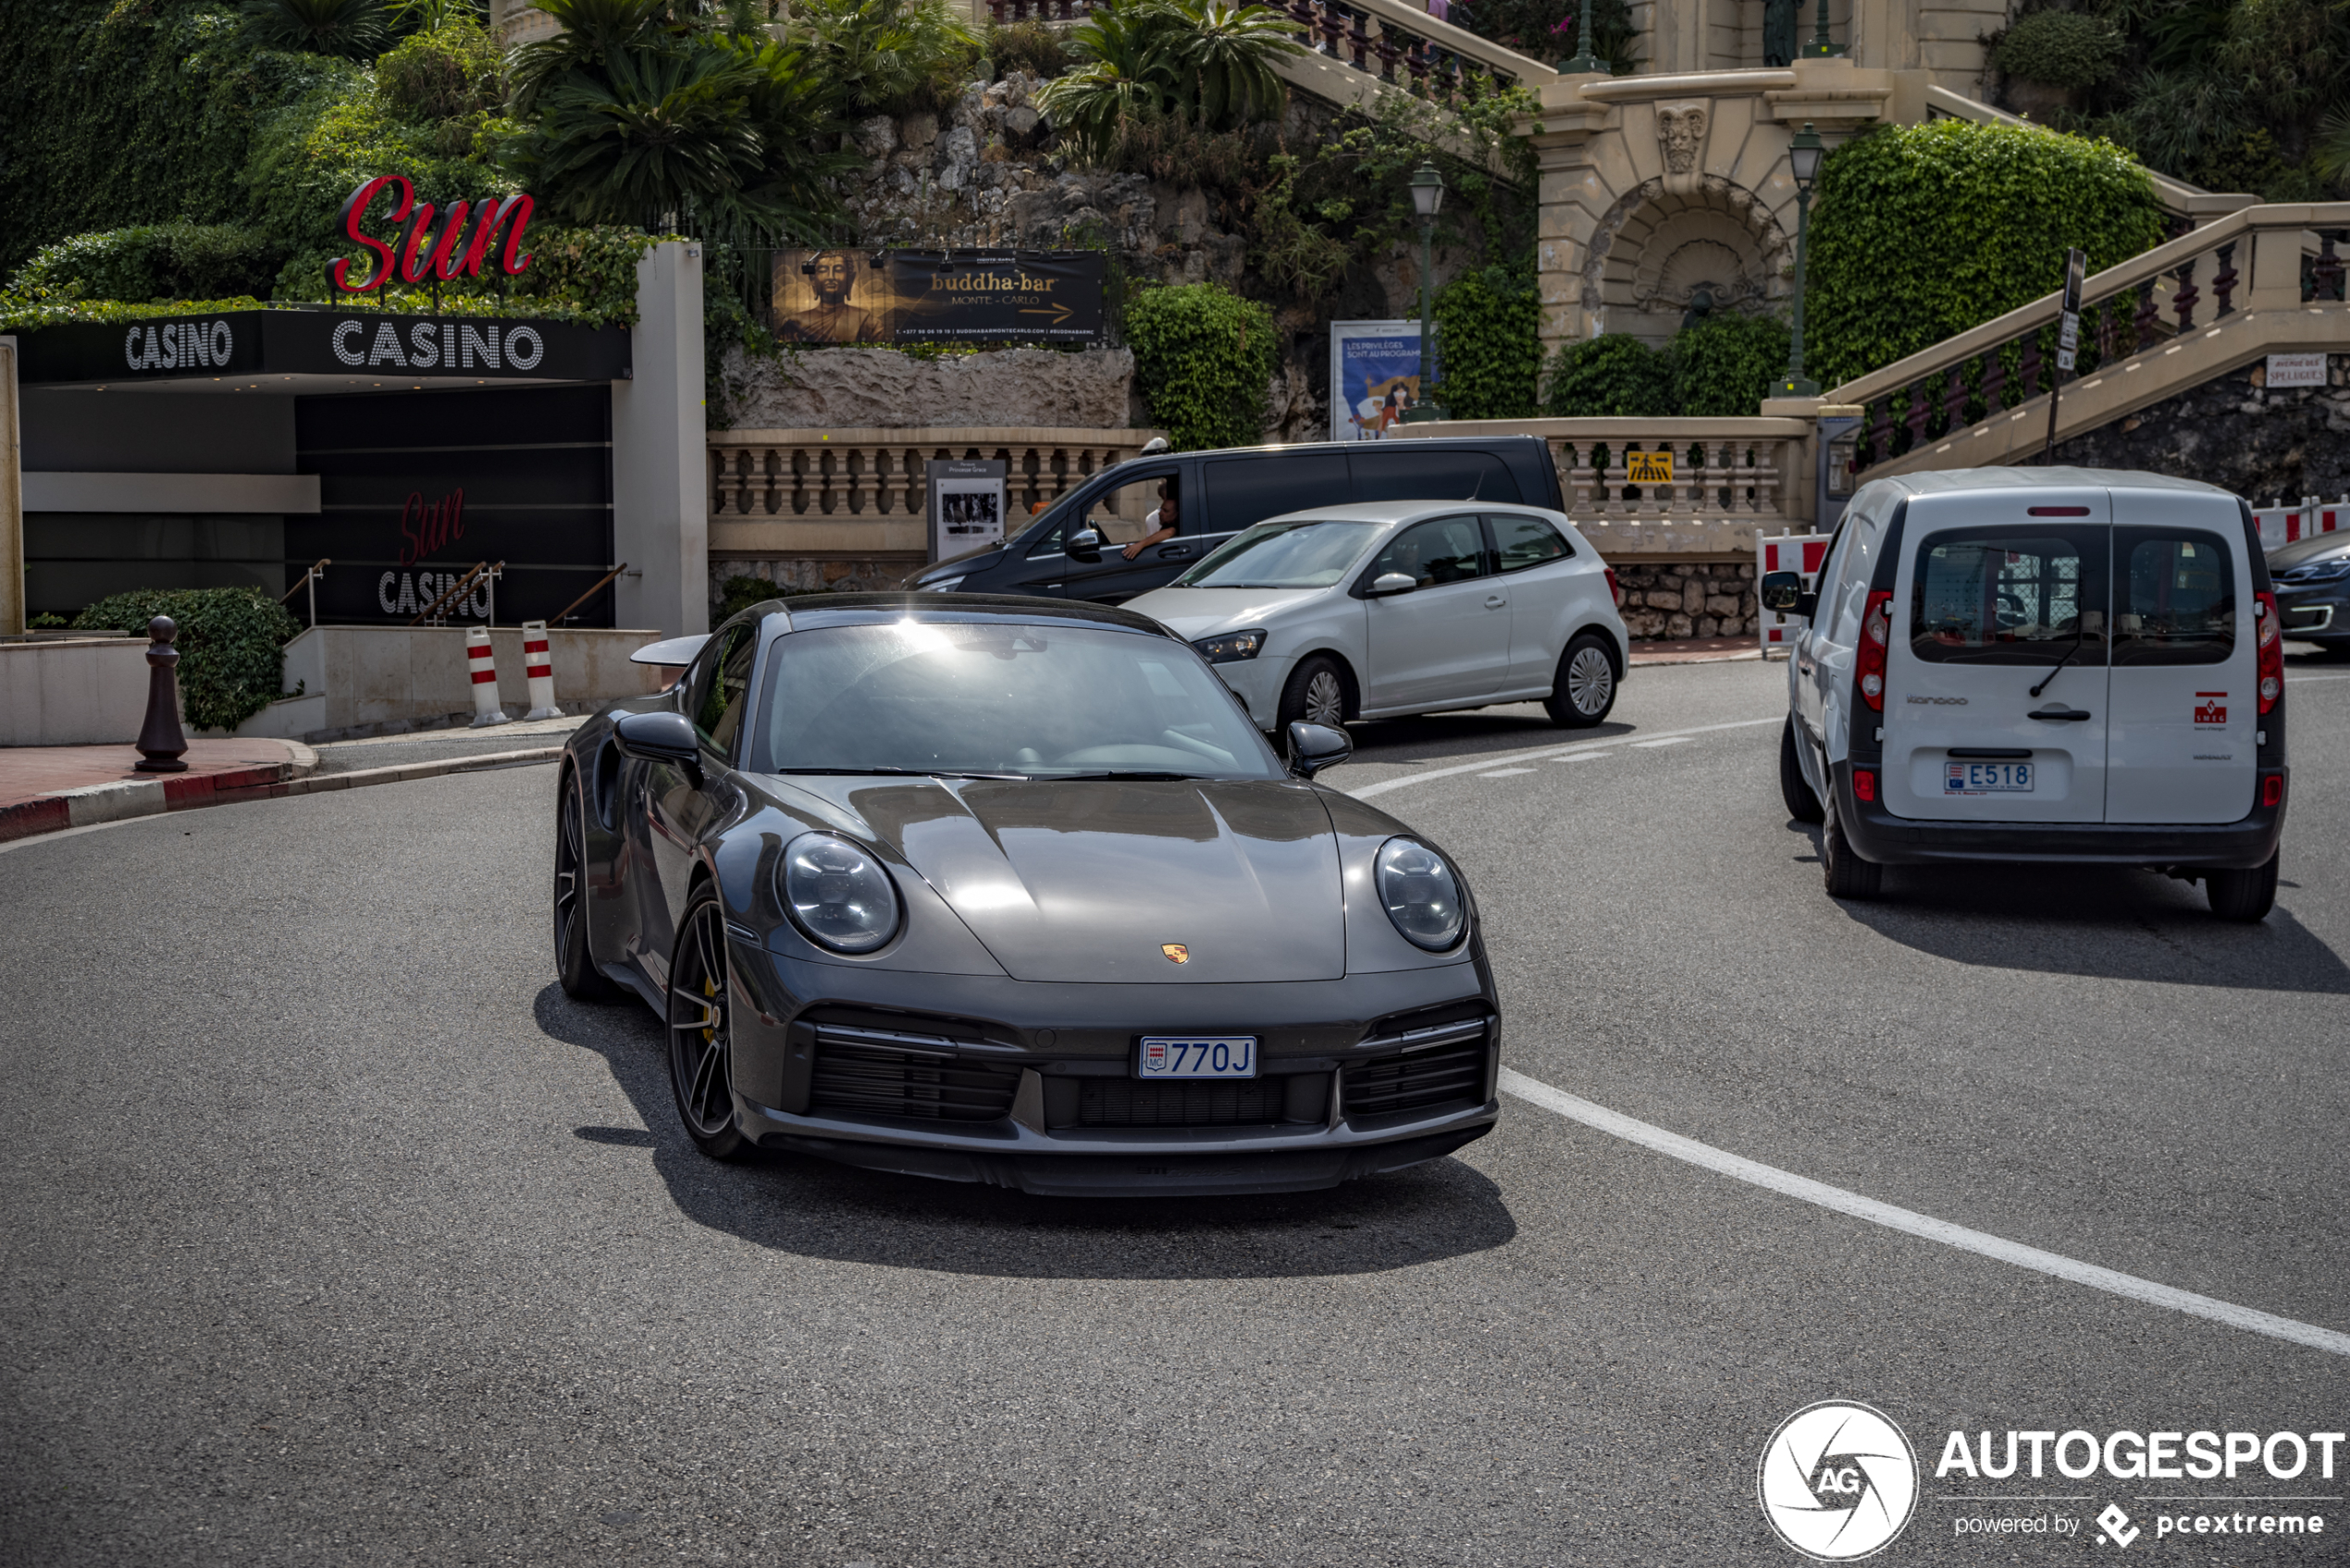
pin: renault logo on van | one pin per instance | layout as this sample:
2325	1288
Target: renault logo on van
1945	701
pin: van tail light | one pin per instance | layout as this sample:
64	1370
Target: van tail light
2273	789
1877	635
1614	591
2271	642
1864	784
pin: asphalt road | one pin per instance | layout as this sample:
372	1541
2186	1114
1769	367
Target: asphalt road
337	1235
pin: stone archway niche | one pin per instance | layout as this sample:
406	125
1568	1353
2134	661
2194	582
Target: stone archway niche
1677	237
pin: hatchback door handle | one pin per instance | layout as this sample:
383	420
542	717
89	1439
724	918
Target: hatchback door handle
1494	601
2059	715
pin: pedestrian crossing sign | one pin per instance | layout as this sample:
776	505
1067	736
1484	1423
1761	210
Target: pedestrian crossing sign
1648	469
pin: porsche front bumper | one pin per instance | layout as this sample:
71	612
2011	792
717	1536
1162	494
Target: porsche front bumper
1033	1085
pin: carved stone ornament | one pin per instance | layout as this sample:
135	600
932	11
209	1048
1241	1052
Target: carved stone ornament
1680	133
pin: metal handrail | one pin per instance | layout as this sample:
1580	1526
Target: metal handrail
464	587
583	599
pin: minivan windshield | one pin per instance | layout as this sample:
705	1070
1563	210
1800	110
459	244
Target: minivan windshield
994	700
1310	553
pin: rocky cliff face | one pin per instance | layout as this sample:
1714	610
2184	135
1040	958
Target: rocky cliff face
987	173
2236	433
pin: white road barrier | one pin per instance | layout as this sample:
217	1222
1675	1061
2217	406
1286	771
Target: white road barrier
1789	552
540	670
485	676
2281	525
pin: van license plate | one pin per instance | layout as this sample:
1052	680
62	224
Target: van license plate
1986	778
1215	1055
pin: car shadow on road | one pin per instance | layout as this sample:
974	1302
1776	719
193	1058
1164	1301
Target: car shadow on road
814	1208
2114	922
1454	737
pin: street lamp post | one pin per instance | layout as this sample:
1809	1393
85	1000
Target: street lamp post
1803	156
1820	48
1428	199
1586	62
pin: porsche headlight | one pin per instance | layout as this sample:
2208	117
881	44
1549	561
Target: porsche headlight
839	894
1422	896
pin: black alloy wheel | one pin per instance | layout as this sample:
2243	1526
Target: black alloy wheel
1315	692
574	954
1584	689
1848	875
701	1032
2246	896
1801	803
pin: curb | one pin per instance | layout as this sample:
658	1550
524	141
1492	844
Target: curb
94	804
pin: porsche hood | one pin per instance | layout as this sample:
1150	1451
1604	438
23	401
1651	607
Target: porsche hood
1123	882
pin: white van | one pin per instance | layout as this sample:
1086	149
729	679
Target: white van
2040	664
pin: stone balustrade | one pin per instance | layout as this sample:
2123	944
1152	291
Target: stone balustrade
1733	480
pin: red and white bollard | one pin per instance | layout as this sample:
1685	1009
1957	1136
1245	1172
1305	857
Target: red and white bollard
538	664
484	673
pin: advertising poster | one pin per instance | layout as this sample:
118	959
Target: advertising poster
1374	376
859	296
966	506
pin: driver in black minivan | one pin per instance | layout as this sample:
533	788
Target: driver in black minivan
1163	520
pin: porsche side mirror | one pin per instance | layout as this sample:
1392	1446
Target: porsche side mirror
1084	545
1388	583
1312	747
660	736
1784	592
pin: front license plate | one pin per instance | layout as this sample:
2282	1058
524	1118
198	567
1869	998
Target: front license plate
1986	778
1215	1056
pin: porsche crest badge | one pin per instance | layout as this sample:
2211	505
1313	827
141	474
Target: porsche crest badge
1176	952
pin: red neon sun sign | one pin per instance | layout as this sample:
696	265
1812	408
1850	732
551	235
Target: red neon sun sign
468	233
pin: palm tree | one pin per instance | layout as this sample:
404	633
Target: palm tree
352	28
1225	53
1208	60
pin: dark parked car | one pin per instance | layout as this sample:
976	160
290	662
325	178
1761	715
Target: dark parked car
2313	589
998	890
1219	493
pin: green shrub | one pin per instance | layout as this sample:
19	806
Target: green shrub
1489	323
1922	231
1725	365
741	591
1204	358
886	57
165	261
1612	377
1029	46
449	73
2060	48
232	662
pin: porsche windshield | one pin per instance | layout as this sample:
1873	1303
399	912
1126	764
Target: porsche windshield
1044	700
1311	554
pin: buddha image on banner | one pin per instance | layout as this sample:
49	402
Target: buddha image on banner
835	296
1374	376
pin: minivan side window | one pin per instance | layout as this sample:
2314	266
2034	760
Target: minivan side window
1410	471
2175	601
1241	490
2020	594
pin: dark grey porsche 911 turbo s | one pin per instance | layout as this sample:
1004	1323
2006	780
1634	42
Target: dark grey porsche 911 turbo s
1009	891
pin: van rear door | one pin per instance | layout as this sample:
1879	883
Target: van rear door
1999	593
2181	748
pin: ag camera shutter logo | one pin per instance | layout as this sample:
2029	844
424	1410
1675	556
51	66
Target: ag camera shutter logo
1838	1481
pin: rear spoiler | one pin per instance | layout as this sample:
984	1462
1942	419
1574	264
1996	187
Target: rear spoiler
672	652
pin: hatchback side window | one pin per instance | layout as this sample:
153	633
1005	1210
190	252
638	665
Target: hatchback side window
1521	542
1446	550
2176	598
718	702
2016	595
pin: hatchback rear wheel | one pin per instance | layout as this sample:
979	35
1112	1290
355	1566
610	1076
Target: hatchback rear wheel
1584	689
2244	896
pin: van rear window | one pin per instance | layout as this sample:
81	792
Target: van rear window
2177	594
2019	594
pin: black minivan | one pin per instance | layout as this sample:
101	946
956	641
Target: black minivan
1076	549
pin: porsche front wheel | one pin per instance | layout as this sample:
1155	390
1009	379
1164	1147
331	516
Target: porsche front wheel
700	1030
574	954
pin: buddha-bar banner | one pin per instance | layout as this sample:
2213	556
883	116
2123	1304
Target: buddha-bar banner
859	296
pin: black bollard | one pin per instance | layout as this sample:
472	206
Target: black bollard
161	741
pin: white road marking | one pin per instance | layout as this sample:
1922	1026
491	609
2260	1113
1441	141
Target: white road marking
1504	772
1576	1108
1579	755
2312	680
1676	740
1547	754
